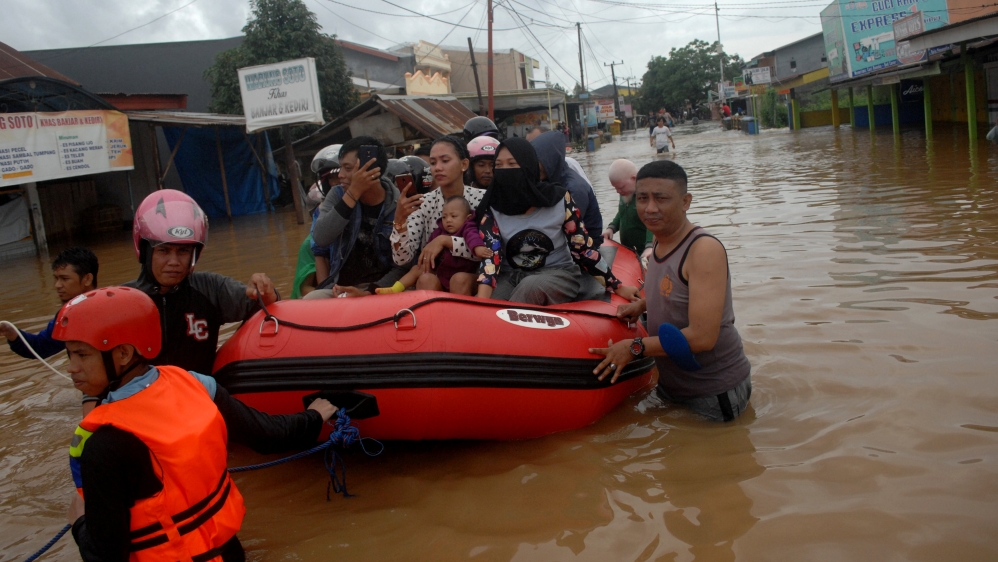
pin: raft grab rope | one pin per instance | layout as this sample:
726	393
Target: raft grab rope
343	435
395	318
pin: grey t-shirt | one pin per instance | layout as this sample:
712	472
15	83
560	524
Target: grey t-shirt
668	299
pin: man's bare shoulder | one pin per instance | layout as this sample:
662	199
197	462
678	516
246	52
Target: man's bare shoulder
706	255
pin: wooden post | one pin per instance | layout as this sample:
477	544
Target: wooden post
221	165
852	112
155	152
474	70
895	119
927	104
41	242
265	178
263	168
968	73
836	120
869	107
289	161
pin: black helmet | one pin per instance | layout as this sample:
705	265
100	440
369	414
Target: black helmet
422	180
395	167
480	126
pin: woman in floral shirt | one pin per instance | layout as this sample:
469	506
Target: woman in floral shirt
539	242
416	216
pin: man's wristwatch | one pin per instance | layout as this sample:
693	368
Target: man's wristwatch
638	348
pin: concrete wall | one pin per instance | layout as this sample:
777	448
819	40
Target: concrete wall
806	53
378	68
505	70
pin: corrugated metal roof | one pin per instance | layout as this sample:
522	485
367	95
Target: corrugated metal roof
186	118
14	64
432	116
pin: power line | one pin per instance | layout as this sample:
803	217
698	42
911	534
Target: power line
323	6
401	15
536	40
439	20
154	20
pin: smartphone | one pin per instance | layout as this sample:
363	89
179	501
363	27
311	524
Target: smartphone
402	181
367	152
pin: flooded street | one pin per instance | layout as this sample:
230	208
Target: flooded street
865	280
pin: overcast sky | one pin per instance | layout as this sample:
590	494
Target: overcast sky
613	32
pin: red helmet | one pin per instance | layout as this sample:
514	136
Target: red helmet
169	216
109	317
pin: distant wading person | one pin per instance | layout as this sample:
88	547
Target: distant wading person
661	136
698	351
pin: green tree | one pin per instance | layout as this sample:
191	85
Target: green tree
282	30
688	73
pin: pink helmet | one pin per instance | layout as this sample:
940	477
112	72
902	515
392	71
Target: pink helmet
169	216
482	147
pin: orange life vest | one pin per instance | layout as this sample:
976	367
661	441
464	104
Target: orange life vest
199	508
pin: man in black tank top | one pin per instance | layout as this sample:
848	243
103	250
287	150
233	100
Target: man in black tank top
698	351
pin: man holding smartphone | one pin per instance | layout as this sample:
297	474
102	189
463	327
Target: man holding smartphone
355	222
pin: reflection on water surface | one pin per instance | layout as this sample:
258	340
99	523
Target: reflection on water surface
865	276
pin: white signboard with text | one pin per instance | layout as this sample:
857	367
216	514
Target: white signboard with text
283	93
755	76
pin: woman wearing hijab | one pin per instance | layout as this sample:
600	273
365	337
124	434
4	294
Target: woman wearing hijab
539	242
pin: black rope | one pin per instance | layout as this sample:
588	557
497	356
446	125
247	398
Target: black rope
398	315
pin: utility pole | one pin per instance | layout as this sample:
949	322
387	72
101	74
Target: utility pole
547	86
630	99
720	49
474	69
492	91
616	94
582	83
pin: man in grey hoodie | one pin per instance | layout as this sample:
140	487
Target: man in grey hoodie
550	147
355	222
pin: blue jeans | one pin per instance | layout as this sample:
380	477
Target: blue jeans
723	407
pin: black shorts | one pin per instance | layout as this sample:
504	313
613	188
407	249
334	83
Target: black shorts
665	149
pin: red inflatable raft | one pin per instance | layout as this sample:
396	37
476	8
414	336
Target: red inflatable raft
439	366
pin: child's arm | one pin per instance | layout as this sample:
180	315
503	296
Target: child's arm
473	239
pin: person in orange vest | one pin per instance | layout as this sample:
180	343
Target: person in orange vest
151	458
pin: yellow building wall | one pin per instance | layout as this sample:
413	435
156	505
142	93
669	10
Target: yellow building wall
822	117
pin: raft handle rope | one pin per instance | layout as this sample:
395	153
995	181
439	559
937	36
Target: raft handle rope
20	336
343	435
411	310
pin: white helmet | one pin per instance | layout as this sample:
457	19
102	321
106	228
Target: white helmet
327	159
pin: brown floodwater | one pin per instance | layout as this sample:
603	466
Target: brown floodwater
865	279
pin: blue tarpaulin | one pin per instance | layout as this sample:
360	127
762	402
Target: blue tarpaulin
197	164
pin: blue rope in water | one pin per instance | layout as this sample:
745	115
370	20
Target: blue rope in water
49	544
342	435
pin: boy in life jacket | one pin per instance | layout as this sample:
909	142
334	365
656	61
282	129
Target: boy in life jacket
169	233
150	460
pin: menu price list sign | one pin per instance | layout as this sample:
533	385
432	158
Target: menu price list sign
43	146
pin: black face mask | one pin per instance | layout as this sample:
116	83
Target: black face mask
508	185
514	190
